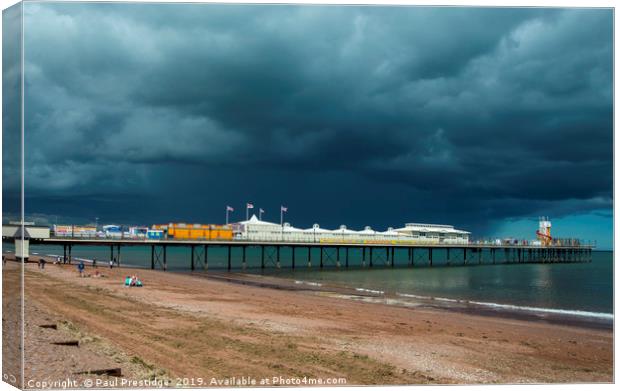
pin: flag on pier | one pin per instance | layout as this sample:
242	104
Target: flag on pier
282	210
228	209
248	206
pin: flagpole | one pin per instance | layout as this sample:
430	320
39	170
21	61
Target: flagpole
227	215
247	211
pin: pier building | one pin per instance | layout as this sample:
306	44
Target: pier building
258	230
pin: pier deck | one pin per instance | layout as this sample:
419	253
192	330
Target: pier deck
333	253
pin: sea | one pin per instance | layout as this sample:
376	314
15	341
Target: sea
577	289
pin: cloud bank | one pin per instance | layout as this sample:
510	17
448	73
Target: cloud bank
356	115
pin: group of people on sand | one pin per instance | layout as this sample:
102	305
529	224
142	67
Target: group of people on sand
81	268
133	280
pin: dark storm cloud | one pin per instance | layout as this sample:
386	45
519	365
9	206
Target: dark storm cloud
453	114
11	98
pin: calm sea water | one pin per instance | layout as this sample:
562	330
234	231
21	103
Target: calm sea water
584	287
572	287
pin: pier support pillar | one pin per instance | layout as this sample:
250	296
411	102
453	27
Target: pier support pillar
370	261
153	257
192	265
277	257
493	254
64	257
346	259
229	266
293	258
430	256
309	257
465	255
363	256
262	256
243	263
321	258
206	257
70	256
165	258
338	257
118	255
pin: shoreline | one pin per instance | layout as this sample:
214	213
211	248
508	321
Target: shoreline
416	301
579	318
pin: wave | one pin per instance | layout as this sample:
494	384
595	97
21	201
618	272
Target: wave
558	311
308	283
369	291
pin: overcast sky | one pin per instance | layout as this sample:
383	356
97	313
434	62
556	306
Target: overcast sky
481	118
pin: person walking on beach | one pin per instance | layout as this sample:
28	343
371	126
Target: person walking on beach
41	263
111	264
95	263
81	268
4	260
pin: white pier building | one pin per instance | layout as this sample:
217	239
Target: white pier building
258	230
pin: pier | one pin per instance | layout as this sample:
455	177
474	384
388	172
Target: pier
332	255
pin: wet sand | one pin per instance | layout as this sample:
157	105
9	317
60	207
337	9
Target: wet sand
181	325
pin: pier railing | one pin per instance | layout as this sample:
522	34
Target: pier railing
487	243
337	254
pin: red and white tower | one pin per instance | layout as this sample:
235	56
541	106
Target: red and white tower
544	231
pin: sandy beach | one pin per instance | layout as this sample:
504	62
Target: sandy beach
181	327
